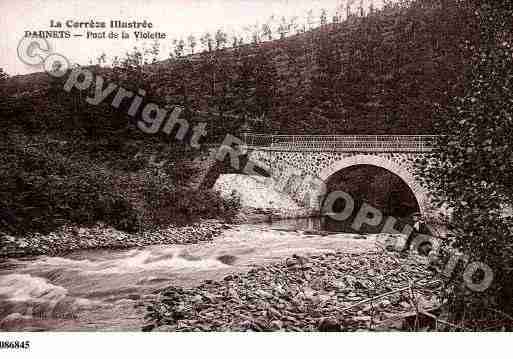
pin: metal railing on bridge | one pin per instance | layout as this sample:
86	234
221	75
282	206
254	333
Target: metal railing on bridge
342	143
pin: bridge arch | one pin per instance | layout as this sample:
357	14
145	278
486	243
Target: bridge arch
400	170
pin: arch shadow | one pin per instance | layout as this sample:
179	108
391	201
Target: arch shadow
373	160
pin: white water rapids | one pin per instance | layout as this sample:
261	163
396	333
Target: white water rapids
106	289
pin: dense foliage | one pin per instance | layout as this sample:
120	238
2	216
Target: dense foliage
47	182
384	72
65	161
380	73
472	171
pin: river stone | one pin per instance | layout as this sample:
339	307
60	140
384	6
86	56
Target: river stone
227	259
329	325
280	292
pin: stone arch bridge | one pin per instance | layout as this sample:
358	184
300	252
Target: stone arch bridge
300	164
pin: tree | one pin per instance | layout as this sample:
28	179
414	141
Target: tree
3	79
255	33
152	52
235	40
3	75
207	41
283	28
132	68
371	7
348	8
191	39
179	47
336	18
324	17
266	79
310	19
267	32
220	38
471	170
244	87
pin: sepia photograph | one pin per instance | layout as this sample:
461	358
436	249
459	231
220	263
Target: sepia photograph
229	166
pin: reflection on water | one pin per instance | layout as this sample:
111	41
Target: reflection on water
328	224
106	289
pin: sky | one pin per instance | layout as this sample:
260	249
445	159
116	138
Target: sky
176	18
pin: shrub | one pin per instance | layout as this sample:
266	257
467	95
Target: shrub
471	172
47	183
168	203
43	189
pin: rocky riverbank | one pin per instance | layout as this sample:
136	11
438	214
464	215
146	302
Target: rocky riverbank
70	238
259	204
326	292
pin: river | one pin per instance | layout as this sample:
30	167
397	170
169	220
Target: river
106	289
